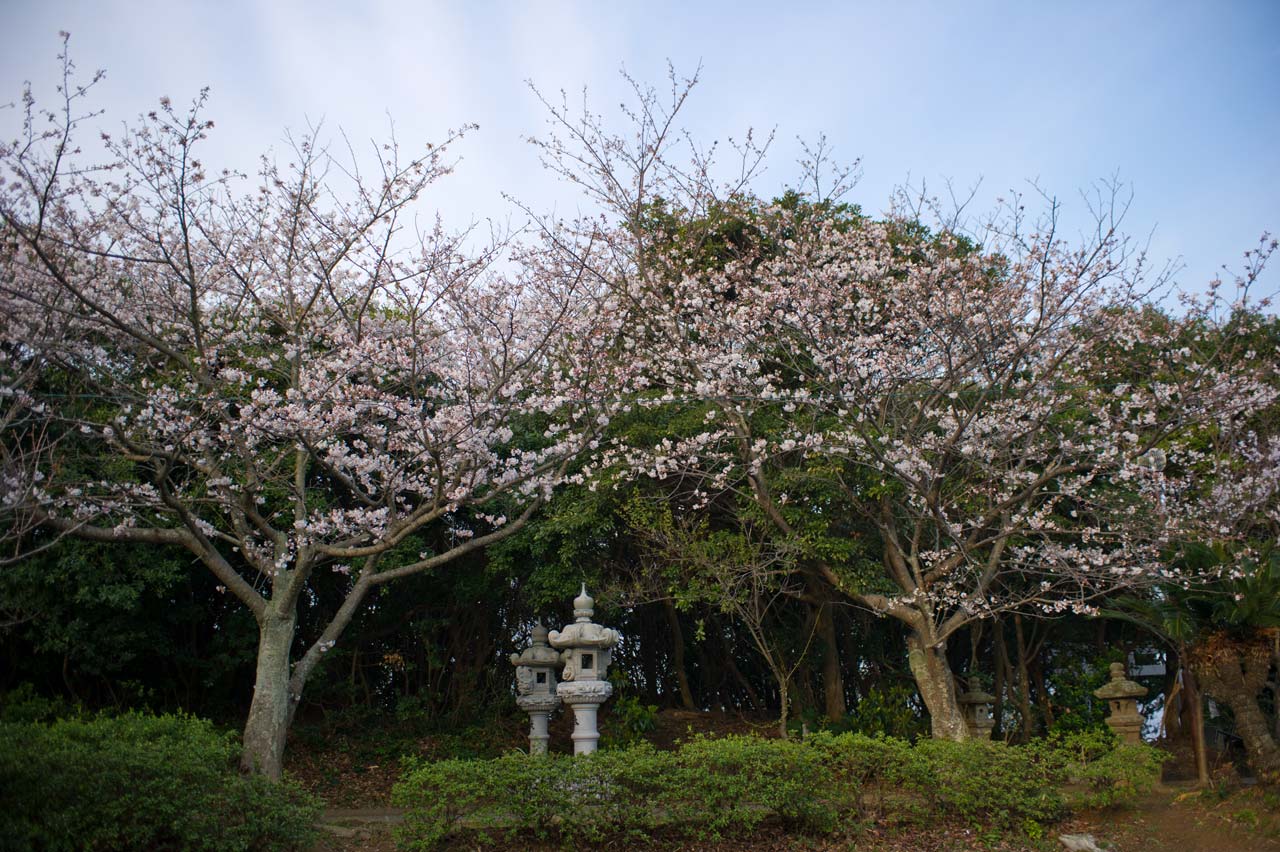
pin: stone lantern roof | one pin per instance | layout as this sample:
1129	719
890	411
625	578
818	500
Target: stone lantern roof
539	653
976	696
583	633
1120	686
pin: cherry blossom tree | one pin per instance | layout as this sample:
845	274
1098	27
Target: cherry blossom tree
989	412
975	409
285	376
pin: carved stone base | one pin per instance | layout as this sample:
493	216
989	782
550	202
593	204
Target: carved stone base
585	697
538	707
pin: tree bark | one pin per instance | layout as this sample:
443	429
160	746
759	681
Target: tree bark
1235	673
1024	682
832	679
1043	700
677	656
1195	704
784	700
272	707
937	687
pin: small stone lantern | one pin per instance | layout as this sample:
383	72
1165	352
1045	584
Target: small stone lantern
536	686
1122	695
977	708
586	649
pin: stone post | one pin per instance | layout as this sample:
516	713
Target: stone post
1121	695
586	650
536	686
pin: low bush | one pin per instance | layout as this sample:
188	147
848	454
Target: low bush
707	788
1096	770
24	704
140	782
993	783
711	787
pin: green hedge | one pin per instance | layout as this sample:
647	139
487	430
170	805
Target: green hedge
706	788
992	782
140	782
710	787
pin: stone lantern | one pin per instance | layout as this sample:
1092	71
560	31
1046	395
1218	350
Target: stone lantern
585	649
977	708
536	686
1121	695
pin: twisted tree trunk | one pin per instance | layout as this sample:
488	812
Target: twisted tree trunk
1235	672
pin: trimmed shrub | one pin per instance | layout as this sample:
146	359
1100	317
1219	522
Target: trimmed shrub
734	783
993	783
984	782
140	782
713	787
709	787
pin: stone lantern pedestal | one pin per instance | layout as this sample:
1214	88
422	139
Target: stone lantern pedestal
1121	695
585	698
586	649
978	713
536	687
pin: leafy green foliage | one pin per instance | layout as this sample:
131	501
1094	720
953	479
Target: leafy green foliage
1074	680
984	782
24	704
1102	772
124	625
140	782
708	788
885	709
632	719
716	787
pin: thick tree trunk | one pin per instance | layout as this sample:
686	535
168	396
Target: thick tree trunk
1043	701
272	708
937	687
1234	673
832	678
1252	727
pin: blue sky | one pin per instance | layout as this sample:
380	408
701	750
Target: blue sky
1180	100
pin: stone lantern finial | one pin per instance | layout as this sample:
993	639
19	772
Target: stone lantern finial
1121	695
583	606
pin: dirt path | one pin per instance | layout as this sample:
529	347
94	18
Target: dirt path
1178	819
